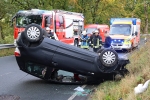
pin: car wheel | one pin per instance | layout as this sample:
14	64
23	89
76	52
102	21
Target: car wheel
33	33
108	58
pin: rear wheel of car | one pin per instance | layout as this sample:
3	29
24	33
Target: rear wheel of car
108	58
33	33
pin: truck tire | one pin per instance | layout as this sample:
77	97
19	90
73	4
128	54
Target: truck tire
33	33
108	58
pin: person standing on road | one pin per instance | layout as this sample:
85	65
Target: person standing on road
50	34
84	40
107	44
108	40
96	41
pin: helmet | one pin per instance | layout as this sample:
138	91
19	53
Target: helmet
96	31
84	32
47	29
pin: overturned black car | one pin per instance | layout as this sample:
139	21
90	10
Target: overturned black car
43	57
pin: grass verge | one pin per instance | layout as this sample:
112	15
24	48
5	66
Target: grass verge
139	69
7	52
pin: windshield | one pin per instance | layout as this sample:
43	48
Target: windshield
120	29
22	21
90	30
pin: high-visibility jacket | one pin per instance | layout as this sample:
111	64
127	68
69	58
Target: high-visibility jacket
96	41
84	42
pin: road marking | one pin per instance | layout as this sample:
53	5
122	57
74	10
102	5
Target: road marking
6	74
75	94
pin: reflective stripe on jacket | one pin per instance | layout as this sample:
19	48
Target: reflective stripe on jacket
84	42
96	41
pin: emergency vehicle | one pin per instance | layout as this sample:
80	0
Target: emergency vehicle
65	25
103	29
125	33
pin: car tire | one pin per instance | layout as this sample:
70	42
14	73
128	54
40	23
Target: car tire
108	58
33	33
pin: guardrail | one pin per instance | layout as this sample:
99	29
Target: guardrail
5	46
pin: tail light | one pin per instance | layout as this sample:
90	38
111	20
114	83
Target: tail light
17	52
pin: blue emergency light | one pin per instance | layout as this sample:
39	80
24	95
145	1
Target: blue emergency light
134	21
117	41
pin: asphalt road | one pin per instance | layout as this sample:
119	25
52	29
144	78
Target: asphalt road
14	82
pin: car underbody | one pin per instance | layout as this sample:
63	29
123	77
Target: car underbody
44	58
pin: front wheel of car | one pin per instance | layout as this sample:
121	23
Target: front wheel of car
108	58
33	33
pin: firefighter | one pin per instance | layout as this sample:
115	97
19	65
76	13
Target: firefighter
50	34
96	41
84	40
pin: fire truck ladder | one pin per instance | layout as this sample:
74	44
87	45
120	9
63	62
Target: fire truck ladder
68	12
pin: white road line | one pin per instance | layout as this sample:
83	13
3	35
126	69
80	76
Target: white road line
75	94
6	74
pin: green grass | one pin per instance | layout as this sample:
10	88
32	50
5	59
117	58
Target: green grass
139	73
7	52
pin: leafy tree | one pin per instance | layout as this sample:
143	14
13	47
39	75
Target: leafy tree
95	11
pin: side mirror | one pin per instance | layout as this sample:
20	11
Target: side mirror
133	34
11	23
12	20
136	33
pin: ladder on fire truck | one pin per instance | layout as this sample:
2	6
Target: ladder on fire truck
68	12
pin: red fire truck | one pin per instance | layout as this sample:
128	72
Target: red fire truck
65	25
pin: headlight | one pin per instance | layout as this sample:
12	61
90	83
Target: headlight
127	41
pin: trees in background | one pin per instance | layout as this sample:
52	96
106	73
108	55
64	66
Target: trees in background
95	11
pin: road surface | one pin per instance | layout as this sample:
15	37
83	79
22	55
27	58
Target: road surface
14	82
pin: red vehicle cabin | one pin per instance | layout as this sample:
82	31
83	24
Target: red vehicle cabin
65	25
100	27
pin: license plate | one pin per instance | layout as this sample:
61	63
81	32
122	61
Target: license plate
117	48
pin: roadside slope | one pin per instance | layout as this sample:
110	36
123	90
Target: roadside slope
139	69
